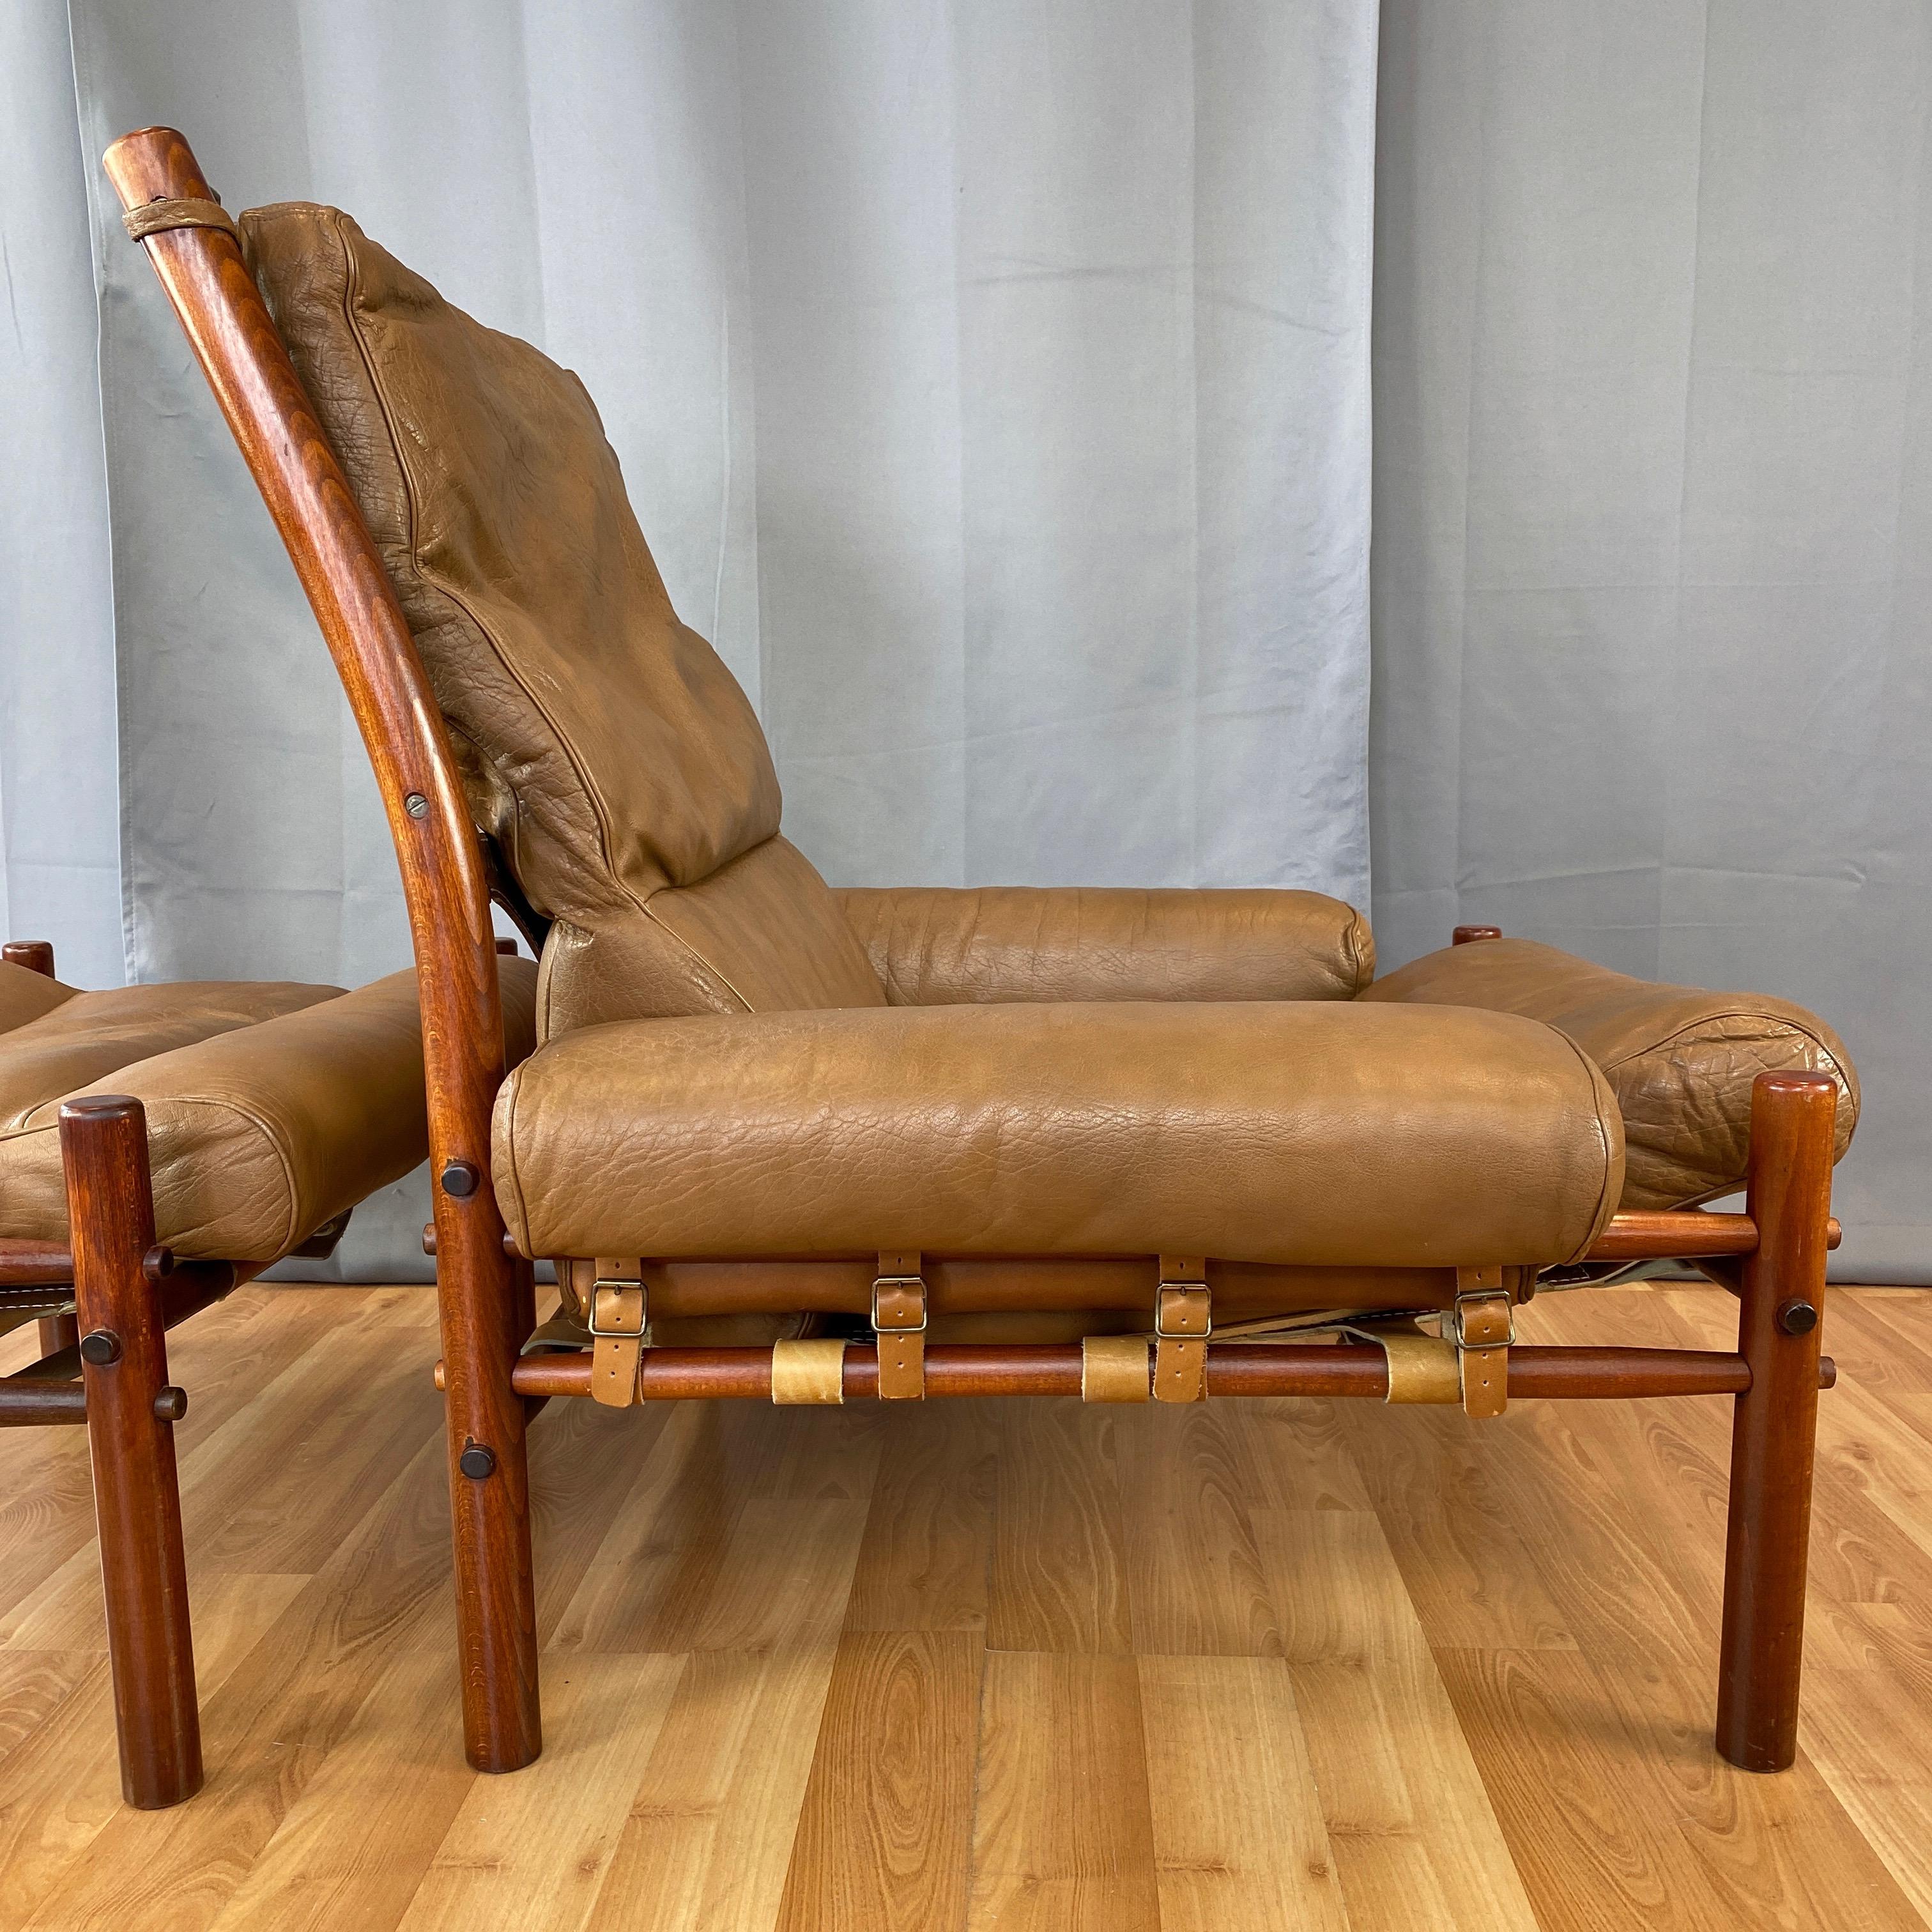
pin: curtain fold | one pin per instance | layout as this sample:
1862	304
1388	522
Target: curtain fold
1653	590
990	382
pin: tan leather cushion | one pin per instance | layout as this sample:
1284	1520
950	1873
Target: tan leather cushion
762	934
1309	1131
935	947
604	743
89	1035
26	995
258	1136
1680	1061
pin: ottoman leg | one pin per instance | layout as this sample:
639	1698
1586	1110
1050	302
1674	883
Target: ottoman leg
137	1502
1781	1303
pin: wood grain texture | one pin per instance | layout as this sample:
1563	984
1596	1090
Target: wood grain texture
485	1313
863	1669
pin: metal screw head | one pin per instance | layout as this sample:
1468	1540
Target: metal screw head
102	1347
476	1462
170	1404
459	1178
1797	1316
416	806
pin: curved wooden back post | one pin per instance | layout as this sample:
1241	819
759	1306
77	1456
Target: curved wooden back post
485	1319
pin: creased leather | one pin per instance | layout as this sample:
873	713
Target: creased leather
1316	1131
258	1136
761	934
936	946
1680	1061
602	743
27	995
88	1036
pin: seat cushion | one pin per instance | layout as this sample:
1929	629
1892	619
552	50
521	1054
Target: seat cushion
936	946
259	1135
88	1036
1317	1132
1680	1061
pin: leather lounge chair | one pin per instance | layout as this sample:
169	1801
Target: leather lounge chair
873	1120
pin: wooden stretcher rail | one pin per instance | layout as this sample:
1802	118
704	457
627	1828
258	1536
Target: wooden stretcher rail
1688	1233
1233	1369
34	1264
49	1391
1692	1231
32	1405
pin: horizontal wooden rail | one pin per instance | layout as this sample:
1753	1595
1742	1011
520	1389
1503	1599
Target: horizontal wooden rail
35	1264
192	1286
1233	1369
33	1404
1689	1233
1692	1232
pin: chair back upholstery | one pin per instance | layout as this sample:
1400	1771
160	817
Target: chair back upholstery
603	744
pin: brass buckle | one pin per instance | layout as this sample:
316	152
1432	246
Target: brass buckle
1199	1287
909	1284
1489	1296
618	1334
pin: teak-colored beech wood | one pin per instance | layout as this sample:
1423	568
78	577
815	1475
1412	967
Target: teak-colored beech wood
1233	1369
1788	1194
445	883
136	1503
486	1295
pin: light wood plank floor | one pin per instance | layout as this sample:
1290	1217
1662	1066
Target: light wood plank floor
1266	1666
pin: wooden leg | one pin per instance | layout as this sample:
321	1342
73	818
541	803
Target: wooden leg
1781	1303
488	1308
137	1502
58	1332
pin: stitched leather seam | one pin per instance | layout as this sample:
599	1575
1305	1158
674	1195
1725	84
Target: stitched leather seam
1599	1084
513	1086
599	811
672	932
1663	1041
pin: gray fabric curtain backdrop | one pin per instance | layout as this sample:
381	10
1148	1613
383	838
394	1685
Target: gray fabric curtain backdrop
992	382
60	875
1652	579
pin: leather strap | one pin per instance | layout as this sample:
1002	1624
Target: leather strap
805	1373
618	1321
1182	1323
898	1321
1114	1368
156	217
1421	1368
1482	1325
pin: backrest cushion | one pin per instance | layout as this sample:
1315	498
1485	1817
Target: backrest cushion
603	744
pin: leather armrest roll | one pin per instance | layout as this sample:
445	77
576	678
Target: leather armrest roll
939	946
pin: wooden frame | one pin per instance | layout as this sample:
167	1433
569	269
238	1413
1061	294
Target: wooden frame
487	1301
109	1299
103	1304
